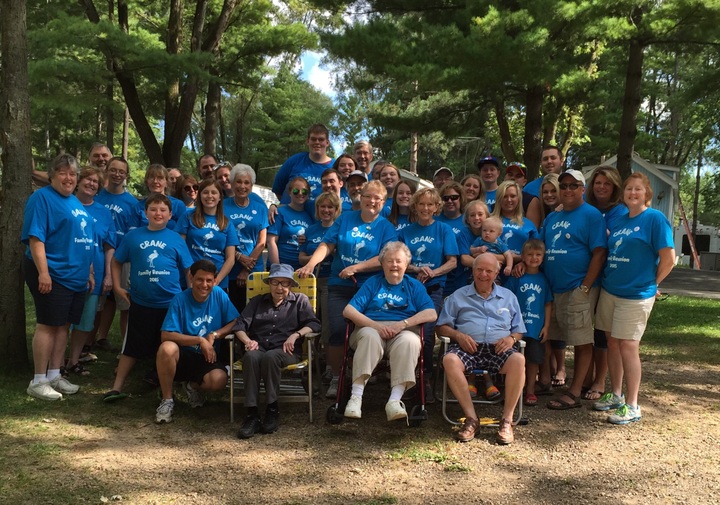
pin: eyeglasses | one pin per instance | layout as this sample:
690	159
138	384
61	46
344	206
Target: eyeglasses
572	185
275	283
450	198
114	171
189	188
297	191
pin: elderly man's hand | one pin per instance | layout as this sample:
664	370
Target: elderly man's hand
389	331
466	343
289	344
504	344
251	345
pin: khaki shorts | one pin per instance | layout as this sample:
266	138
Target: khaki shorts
572	316
625	319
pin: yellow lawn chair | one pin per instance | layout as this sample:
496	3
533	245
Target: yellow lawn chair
297	383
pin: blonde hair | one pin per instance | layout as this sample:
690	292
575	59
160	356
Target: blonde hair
517	216
430	192
494	222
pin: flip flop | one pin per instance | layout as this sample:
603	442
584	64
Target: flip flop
560	404
113	396
530	400
593	394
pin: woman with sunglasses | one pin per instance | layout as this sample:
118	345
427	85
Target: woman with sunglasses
209	234
399	214
187	190
287	233
453	198
387	313
434	252
355	239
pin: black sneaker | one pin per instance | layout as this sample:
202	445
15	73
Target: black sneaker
250	426
272	421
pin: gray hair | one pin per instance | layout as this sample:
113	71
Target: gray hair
392	247
62	161
486	255
242	169
361	143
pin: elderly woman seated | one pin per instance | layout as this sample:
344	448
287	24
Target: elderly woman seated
271	327
387	312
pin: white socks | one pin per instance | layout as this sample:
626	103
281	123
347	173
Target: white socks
51	374
40	377
396	392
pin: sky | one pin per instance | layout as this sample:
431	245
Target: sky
314	74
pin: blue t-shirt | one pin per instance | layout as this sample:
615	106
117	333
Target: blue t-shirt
190	317
490	199
497	247
138	218
381	301
300	165
570	238
103	234
403	222
121	207
430	246
66	229
288	225
533	187
515	235
345	200
248	221
462	275
356	241
157	261
208	242
313	238
456	223
533	292
613	215
632	261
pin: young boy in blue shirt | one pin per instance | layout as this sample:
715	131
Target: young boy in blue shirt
535	297
157	257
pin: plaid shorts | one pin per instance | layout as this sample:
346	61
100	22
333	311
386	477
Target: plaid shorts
485	358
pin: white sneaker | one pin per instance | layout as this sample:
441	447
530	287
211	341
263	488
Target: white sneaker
64	386
43	391
395	410
195	398
353	409
164	412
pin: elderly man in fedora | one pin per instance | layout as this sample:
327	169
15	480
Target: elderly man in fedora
271	329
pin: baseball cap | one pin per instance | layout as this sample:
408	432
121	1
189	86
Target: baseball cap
575	174
519	166
492	160
441	169
358	173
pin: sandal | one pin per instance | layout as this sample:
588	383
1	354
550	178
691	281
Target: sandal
113	396
530	400
543	389
558	383
78	369
492	393
593	395
560	404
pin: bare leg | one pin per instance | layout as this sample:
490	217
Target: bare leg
531	371
615	365
630	352
514	370
60	338
42	347
545	375
125	365
106	319
215	380
78	339
334	356
166	362
560	372
583	359
455	372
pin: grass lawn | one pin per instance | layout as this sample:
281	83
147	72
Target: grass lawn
80	450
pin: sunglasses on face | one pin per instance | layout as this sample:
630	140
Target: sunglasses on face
189	188
572	185
297	191
275	283
450	198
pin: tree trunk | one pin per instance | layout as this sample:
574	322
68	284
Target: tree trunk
16	176
532	142
126	133
631	102
505	139
212	114
696	196
413	152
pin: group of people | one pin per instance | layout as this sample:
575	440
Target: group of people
482	261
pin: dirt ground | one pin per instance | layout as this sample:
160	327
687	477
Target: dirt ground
671	456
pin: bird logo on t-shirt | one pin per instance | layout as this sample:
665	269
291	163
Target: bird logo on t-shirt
151	258
358	246
555	238
83	225
207	237
419	252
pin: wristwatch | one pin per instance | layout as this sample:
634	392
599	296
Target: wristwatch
584	288
214	334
